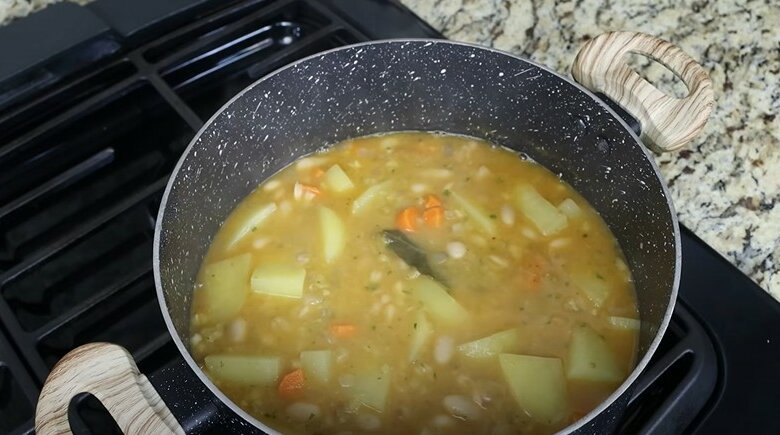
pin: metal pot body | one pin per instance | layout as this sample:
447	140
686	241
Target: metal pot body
424	85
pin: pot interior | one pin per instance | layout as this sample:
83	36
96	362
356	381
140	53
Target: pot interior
429	86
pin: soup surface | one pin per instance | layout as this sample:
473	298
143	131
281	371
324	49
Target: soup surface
415	283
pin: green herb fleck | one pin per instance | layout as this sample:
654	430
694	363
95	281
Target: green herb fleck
492	216
415	325
598	275
446	192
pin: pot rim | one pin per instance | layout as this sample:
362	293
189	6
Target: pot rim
606	403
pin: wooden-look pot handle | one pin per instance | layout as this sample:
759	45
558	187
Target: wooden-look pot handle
110	374
667	122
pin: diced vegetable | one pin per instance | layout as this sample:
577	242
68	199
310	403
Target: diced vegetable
625	323
317	364
343	330
244	369
252	222
432	201
500	342
333	234
591	359
225	286
370	389
336	180
595	288
546	218
569	208
305	191
537	384
421	335
279	280
369	196
475	213
434	216
292	384
437	302
406	219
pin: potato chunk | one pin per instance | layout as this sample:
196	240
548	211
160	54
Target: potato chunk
437	302
500	342
317	364
225	286
244	369
591	359
333	234
545	216
279	280
537	384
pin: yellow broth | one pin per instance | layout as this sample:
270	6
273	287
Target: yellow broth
514	250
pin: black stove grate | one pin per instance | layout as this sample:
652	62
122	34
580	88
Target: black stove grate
82	170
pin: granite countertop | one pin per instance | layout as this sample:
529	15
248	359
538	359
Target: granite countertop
726	184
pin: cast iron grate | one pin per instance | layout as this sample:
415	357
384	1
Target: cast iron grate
82	170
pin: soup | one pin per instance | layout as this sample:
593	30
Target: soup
415	283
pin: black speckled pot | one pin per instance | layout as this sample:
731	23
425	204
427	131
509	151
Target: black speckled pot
422	85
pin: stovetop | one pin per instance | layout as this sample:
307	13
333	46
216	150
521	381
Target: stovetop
92	123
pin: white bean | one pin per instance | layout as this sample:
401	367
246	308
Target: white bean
559	243
298	191
419	188
508	215
390	313
302	258
461	407
196	338
445	347
529	233
310	162
237	330
303	411
376	276
501	261
456	249
272	185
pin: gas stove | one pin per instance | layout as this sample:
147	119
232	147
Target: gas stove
91	125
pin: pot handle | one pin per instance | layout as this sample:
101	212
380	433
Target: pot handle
110	374
667	122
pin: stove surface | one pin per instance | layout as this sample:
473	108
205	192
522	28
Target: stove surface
90	130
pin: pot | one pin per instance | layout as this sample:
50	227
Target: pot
417	85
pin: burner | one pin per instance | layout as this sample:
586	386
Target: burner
86	153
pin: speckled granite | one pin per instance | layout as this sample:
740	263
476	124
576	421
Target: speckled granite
726	186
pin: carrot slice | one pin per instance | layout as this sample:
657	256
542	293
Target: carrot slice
406	220
343	330
432	201
434	216
305	191
318	172
313	189
292	384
